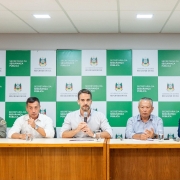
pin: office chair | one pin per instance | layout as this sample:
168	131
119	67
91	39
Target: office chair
55	133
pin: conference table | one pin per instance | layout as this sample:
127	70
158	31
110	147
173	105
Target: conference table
143	160
53	159
87	159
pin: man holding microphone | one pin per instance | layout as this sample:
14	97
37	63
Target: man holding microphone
85	121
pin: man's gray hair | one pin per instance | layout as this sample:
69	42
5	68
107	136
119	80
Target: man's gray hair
146	99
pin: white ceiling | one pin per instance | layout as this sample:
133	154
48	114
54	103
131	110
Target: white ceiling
89	16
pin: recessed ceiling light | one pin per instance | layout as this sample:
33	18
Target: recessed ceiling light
41	16
145	16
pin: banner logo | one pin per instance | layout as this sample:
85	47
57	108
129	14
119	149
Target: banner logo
42	61
93	61
17	87
118	87
94	109
43	111
145	61
69	87
170	87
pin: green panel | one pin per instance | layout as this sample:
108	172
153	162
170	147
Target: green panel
119	62
169	62
145	87
18	63
2	88
97	85
118	113
62	109
68	62
169	112
13	111
44	88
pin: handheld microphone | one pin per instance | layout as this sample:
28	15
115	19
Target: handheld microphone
85	116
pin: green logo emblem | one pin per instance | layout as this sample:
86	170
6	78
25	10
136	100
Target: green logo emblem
145	61
93	61
170	87
42	61
42	111
118	87
17	87
69	87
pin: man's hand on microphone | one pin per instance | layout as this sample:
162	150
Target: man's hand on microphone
84	127
81	126
88	131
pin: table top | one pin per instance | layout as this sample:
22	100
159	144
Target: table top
52	142
85	142
151	143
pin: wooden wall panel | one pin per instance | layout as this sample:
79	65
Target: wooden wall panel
52	163
145	164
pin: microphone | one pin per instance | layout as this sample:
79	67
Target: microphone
85	116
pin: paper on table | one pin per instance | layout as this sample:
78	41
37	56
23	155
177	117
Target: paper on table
143	140
81	139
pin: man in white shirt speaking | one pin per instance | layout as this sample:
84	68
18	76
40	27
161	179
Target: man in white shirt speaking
32	124
85	121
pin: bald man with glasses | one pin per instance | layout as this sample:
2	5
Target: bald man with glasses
145	125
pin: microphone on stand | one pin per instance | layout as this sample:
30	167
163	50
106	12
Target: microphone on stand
85	116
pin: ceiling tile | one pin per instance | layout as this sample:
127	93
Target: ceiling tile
130	24
147	5
85	5
173	24
58	23
106	26
93	15
30	5
89	16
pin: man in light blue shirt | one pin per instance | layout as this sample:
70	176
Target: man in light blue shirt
74	123
145	125
3	127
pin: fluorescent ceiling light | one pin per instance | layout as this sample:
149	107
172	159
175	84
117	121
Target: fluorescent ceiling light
41	16
144	16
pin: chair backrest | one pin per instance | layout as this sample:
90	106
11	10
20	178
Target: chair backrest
55	133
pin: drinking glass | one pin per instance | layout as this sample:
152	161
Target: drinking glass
29	133
98	135
160	136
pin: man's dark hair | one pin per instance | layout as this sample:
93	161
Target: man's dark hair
32	100
86	91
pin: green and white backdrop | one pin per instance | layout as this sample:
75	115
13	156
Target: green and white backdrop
116	78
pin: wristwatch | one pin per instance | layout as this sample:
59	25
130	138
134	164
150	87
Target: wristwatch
36	127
